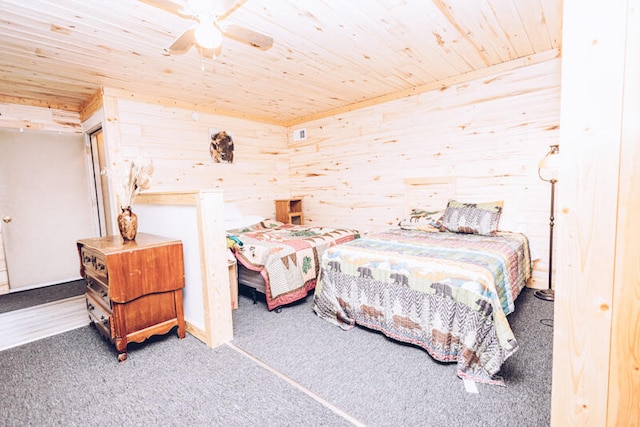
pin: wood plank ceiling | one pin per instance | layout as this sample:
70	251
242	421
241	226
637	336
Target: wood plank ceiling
326	55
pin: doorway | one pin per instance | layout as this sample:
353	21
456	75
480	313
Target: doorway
100	182
46	206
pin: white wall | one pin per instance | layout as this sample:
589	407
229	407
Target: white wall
30	119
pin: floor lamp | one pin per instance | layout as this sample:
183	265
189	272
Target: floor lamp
548	171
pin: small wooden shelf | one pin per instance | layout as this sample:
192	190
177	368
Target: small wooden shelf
289	211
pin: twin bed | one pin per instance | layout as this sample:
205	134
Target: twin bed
282	261
443	280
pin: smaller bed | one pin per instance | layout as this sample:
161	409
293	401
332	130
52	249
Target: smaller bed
282	261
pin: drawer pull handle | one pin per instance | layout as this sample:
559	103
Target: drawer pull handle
90	306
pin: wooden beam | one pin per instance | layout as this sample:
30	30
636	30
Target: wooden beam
624	375
215	271
594	42
91	105
37	103
168	198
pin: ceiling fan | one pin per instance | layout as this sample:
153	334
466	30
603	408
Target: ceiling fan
206	35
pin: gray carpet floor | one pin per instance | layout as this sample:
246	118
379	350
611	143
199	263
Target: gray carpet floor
384	383
74	378
23	299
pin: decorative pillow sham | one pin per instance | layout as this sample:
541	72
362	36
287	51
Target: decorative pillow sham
260	225
472	218
420	219
271	223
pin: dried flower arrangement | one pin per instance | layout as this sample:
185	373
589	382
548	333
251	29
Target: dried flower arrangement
129	178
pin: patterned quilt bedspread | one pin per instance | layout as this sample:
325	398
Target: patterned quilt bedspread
448	293
287	256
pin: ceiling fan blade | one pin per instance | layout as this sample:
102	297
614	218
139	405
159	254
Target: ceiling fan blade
245	35
176	7
230	6
183	43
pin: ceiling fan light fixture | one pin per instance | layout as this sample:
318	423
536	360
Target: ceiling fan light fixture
208	36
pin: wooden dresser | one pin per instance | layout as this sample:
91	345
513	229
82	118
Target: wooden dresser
134	289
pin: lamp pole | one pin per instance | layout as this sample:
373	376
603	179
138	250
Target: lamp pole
549	294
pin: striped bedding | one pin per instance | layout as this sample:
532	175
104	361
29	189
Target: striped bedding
448	293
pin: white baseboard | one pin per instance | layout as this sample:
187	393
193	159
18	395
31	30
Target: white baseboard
23	326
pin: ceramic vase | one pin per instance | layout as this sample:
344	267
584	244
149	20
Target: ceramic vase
128	224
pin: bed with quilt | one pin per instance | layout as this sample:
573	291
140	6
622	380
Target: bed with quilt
447	286
282	261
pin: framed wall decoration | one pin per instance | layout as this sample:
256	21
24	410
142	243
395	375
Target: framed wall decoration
221	146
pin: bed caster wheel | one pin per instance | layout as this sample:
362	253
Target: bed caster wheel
278	309
122	357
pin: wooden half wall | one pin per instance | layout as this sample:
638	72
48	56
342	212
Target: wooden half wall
196	218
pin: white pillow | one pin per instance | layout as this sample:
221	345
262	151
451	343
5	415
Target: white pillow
234	219
511	219
251	220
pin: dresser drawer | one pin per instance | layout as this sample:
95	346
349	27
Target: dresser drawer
98	291
94	264
100	317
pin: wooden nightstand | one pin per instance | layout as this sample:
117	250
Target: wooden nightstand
289	211
134	289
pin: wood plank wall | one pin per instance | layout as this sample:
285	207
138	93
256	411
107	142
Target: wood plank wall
14	116
179	147
489	133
